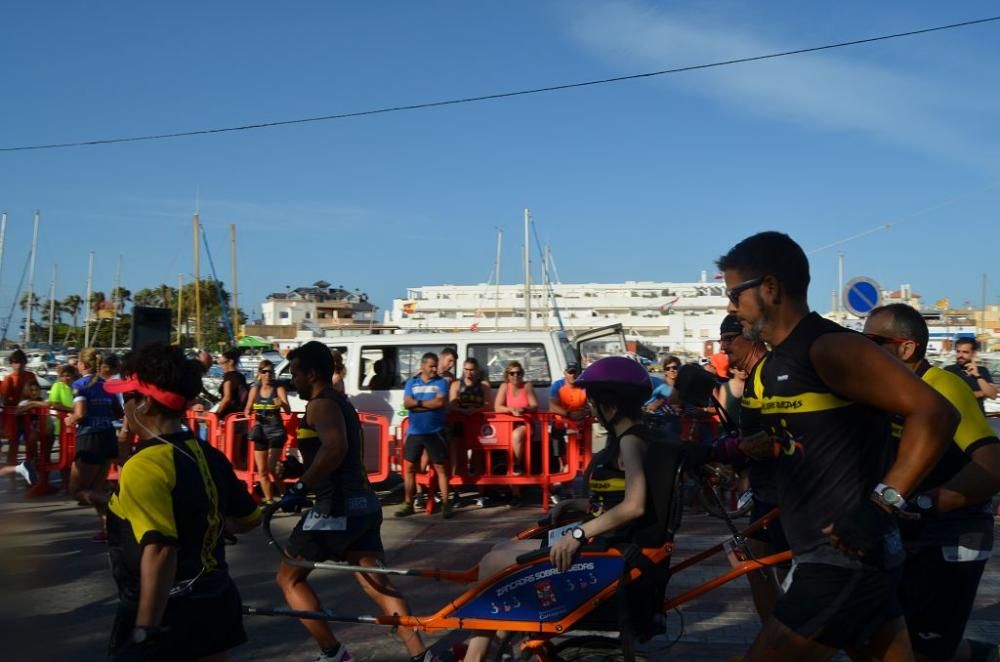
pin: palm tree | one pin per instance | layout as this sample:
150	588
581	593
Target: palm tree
34	307
72	305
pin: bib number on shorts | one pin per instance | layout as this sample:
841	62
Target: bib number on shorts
318	522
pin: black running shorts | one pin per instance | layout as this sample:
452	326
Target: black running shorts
197	626
839	607
434	443
361	533
937	597
97	446
267	437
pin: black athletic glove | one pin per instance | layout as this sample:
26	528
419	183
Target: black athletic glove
861	533
294	499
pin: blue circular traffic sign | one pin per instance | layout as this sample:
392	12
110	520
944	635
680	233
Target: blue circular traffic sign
861	296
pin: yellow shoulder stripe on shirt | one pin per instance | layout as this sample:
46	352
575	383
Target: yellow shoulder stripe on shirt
305	433
973	425
801	403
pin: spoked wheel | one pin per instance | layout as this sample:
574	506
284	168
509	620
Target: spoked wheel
593	649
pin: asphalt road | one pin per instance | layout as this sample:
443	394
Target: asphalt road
59	599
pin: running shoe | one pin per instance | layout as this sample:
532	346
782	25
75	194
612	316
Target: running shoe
25	471
482	502
447	511
405	510
342	655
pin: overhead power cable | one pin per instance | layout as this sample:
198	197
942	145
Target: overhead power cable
499	95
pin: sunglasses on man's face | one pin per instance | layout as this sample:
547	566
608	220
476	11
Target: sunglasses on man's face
880	340
735	291
673	368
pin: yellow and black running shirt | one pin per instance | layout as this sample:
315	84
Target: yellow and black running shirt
829	452
971	526
175	492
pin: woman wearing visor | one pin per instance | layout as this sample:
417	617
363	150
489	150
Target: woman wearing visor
176	497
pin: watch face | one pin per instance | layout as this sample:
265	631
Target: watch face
924	502
891	496
578	534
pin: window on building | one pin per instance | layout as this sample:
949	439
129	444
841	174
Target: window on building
702	333
283	315
689	333
385	367
494	357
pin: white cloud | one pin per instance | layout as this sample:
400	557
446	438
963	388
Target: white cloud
835	90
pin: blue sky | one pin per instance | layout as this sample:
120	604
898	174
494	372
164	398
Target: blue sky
648	179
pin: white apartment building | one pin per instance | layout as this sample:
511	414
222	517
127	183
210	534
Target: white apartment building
320	306
678	317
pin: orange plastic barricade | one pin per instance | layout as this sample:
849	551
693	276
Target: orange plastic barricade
207	422
39	445
376	447
489	433
238	447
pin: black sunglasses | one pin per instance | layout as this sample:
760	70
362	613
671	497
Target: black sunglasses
735	291
672	367
515	372
265	372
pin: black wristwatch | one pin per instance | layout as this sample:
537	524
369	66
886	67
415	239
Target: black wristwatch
578	535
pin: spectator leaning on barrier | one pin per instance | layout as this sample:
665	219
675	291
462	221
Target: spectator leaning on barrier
976	376
470	394
11	389
426	397
569	401
175	497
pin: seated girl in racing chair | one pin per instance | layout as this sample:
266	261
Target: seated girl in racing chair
631	483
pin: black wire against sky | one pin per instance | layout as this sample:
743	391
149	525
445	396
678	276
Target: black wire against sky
500	95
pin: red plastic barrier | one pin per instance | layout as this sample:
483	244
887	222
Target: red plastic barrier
376	447
196	420
35	424
489	432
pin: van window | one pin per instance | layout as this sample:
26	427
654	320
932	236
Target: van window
494	357
385	367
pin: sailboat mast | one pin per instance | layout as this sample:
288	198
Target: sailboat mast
180	308
197	284
527	270
496	305
236	300
31	279
52	305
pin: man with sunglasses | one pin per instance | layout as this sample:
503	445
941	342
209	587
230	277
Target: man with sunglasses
822	395
569	402
948	532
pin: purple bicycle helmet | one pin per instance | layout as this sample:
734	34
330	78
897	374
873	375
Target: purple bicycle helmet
617	373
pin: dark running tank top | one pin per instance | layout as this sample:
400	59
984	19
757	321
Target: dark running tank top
606	482
829	452
345	491
471	395
267	409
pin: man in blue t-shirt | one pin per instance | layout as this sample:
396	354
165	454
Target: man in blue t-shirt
426	397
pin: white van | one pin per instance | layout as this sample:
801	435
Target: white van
543	354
